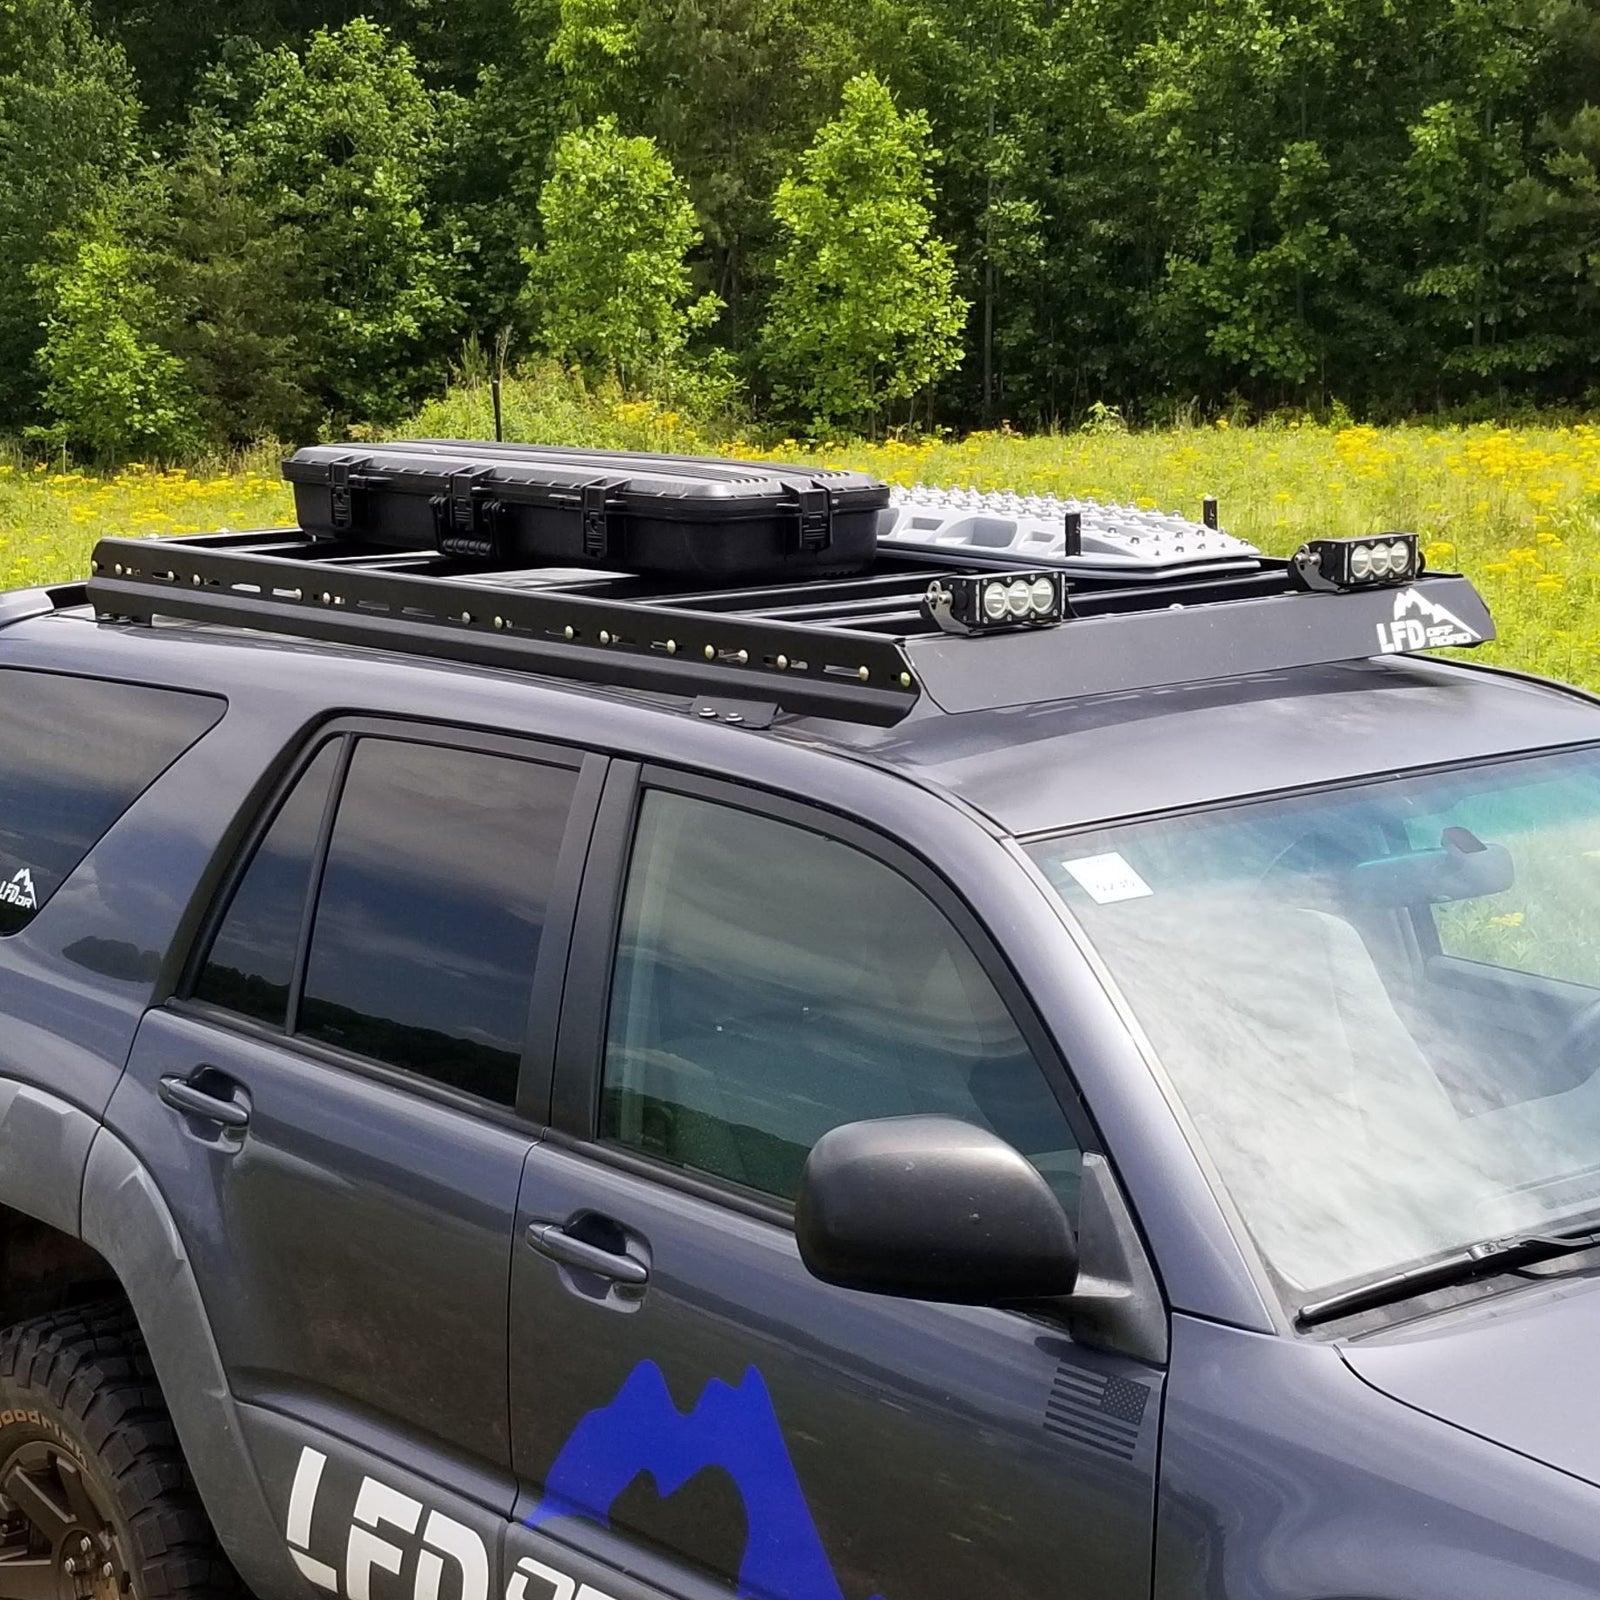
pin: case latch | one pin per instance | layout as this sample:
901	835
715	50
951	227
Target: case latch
343	483
816	519
596	532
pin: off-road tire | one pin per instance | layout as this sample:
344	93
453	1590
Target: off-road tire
91	1472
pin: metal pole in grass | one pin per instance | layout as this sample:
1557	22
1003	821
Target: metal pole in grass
494	395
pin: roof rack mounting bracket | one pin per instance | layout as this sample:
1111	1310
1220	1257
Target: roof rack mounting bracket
738	713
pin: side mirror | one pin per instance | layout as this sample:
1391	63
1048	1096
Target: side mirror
932	1209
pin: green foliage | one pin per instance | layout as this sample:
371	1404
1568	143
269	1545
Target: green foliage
235	313
609	288
547	403
111	388
865	312
67	116
1167	206
339	146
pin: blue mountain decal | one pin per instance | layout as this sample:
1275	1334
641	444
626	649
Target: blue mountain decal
732	1427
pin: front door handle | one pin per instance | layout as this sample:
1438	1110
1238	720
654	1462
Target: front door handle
183	1095
551	1239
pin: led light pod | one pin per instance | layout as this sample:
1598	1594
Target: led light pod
1376	562
985	602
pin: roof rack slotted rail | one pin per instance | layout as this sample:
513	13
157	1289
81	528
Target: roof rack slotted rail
861	648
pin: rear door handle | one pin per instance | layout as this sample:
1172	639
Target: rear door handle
184	1096
551	1239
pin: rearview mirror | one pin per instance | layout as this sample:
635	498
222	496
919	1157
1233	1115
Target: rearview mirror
1463	867
932	1209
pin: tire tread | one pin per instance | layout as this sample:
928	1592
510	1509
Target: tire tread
89	1363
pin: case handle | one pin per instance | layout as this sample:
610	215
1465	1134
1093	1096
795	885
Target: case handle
465	522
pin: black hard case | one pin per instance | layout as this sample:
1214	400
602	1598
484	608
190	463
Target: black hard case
506	504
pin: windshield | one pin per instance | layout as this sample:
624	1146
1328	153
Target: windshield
1379	1007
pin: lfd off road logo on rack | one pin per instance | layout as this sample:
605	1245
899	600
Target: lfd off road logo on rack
1419	624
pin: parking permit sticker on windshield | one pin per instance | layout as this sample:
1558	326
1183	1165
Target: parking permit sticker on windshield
1108	878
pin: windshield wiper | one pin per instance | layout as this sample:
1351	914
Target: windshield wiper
1463	1266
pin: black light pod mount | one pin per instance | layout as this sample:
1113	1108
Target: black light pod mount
1376	561
987	602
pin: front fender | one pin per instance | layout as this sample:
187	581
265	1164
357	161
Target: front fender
1285	1477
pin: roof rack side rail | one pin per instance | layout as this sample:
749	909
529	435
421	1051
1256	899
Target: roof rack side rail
814	671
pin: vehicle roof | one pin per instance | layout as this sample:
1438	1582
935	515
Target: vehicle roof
1030	769
1113	756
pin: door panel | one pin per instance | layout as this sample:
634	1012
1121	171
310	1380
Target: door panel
350	1242
807	1443
693	1399
332	1108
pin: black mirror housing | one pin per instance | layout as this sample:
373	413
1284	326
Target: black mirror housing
931	1208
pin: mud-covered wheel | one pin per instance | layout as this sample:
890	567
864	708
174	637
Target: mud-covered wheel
96	1502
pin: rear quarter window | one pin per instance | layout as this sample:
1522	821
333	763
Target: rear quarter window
75	753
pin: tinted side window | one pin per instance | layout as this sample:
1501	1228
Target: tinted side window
75	753
251	962
772	983
432	904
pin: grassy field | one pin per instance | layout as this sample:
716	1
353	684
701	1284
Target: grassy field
1517	509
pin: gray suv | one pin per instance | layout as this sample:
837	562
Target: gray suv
975	1077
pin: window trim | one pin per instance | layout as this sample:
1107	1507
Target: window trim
585	1017
531	1104
263	813
319	865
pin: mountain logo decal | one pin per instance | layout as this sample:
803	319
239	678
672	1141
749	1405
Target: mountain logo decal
731	1426
19	892
1420	624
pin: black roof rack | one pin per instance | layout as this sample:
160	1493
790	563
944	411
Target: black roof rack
861	648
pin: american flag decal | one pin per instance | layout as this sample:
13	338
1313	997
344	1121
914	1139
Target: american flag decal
1102	1412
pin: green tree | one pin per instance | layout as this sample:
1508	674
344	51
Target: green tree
233	278
609	287
172	43
865	312
67	118
1545	223
340	146
108	383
